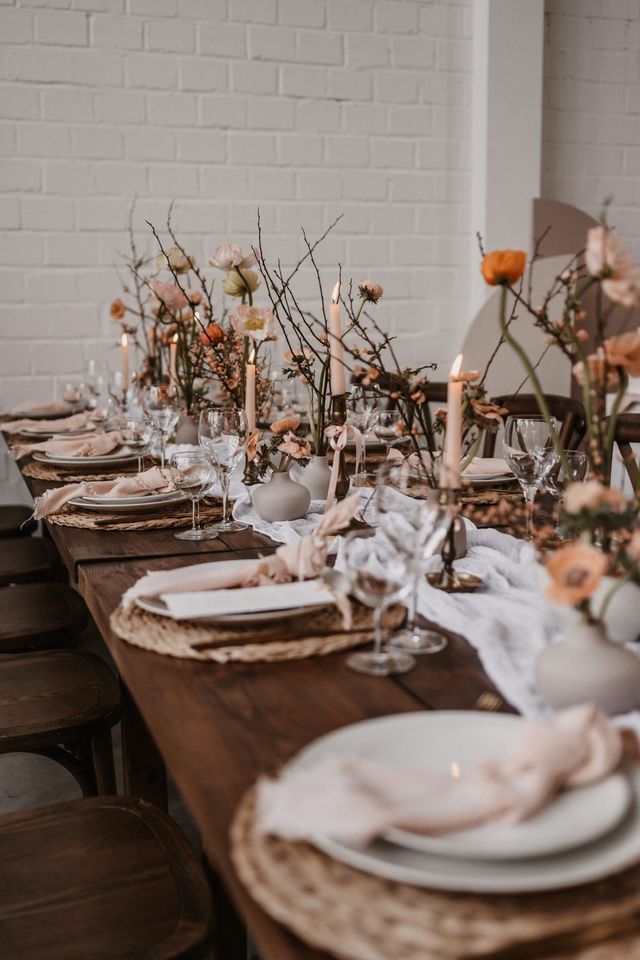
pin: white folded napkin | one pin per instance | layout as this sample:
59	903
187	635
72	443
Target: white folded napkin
486	466
281	596
353	800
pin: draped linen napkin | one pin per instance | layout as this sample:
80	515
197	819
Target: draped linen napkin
90	445
154	480
302	560
481	466
354	800
77	422
57	406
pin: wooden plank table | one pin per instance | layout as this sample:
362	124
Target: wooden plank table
218	727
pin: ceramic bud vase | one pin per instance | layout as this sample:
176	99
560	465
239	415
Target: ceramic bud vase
281	498
187	429
316	477
584	666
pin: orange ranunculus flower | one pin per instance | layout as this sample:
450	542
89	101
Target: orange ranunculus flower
212	334
280	427
575	572
503	266
117	309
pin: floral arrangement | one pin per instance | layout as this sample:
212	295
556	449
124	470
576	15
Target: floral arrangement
286	445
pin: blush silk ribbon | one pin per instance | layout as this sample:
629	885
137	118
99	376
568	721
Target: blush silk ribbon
338	436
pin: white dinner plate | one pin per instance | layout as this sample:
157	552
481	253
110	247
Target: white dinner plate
434	740
125	506
43	434
480	479
136	498
123	455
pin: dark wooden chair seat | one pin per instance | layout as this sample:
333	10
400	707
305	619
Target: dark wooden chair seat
27	560
567	411
15	521
38	615
100	879
628	432
61	704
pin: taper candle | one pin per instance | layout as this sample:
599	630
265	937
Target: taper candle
336	348
173	359
250	392
124	340
453	436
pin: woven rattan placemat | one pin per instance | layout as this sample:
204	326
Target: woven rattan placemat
285	639
178	517
357	916
40	471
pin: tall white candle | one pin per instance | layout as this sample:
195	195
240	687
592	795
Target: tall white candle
336	347
173	359
250	392
124	340
453	436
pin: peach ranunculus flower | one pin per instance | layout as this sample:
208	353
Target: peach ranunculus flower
254	322
623	351
370	291
575	572
228	256
608	257
592	495
467	376
599	366
486	410
169	294
252	445
117	310
503	267
283	426
295	447
212	334
174	259
237	283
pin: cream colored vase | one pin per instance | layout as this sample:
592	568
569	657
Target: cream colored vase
281	498
584	666
316	477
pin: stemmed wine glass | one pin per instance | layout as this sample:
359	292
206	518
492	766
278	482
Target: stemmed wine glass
191	473
363	410
378	578
137	433
561	474
223	435
386	428
416	527
159	404
529	451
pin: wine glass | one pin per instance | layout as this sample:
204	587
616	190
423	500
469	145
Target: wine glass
529	451
191	473
223	434
572	470
378	578
137	433
416	524
386	428
363	410
159	404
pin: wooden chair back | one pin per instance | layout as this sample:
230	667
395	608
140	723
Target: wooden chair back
628	432
567	411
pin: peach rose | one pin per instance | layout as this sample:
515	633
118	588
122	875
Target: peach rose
228	256
370	291
591	495
282	426
624	351
295	447
575	572
608	257
117	309
503	266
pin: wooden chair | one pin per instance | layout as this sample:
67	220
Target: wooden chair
108	878
34	616
61	704
15	521
567	411
28	560
628	432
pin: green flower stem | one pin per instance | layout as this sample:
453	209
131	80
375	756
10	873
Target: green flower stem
472	452
535	382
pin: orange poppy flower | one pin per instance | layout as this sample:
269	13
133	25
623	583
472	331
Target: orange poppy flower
212	334
503	267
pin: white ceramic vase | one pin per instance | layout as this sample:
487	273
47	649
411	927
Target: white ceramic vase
584	666
280	498
316	477
186	430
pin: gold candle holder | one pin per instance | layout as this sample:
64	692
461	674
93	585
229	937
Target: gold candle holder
338	414
250	475
448	579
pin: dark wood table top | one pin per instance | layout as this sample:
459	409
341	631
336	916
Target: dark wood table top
218	727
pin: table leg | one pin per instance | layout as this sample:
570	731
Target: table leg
229	933
143	768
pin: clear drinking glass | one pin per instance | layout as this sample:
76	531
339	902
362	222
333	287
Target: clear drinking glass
223	434
159	404
386	427
362	410
378	578
416	525
562	474
530	453
137	434
192	474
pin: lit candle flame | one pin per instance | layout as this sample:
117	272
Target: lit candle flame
175	338
456	366
124	340
252	356
335	296
455	770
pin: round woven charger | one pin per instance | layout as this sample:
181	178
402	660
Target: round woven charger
252	643
40	471
88	520
357	916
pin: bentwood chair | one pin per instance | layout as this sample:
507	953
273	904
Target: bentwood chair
107	878
567	411
16	520
628	432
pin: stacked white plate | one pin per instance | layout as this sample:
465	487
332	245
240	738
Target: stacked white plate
41	433
121	455
580	836
133	504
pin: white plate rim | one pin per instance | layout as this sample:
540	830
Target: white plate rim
166	497
117	506
83	461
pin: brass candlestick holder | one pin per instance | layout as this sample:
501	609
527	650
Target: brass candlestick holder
338	414
448	579
250	475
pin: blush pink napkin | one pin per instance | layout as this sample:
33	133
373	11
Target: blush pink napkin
154	480
90	445
354	800
77	422
302	560
57	406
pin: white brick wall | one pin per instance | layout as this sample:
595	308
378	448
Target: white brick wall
591	128
309	108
